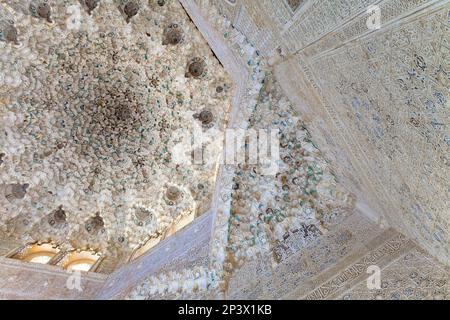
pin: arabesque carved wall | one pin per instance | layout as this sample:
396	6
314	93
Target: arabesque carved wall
376	101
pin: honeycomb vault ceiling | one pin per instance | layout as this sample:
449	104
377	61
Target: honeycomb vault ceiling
95	98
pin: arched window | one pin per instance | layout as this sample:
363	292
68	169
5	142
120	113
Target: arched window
80	261
38	253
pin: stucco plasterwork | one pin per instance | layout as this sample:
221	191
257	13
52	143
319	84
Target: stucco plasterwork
240	232
376	101
411	77
361	117
94	111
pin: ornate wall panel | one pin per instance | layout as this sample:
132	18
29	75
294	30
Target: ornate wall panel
358	269
375	101
228	8
301	269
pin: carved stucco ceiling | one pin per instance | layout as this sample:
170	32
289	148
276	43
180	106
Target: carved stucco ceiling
92	107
